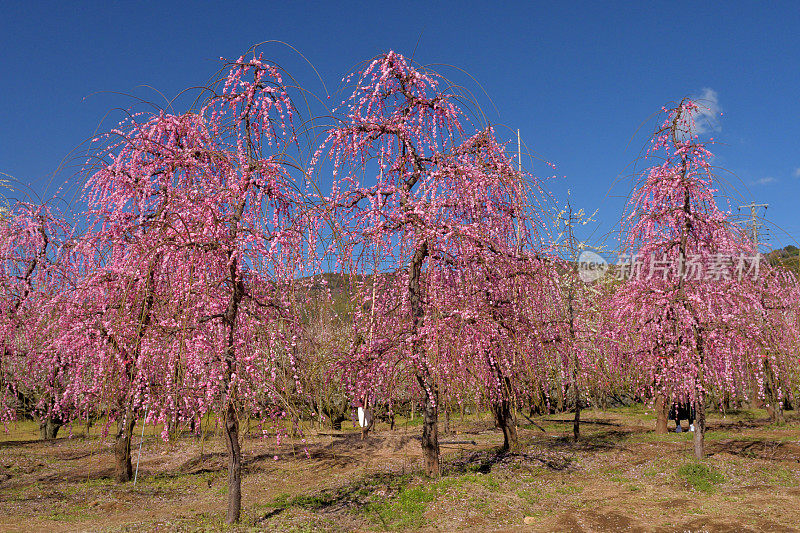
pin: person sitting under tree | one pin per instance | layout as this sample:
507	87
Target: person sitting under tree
364	416
682	411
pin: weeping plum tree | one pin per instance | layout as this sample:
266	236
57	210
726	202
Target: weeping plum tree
209	231
395	117
574	338
123	298
181	298
493	307
683	307
774	319
36	260
442	206
112	333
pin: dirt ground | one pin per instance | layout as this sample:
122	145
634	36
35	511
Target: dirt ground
619	477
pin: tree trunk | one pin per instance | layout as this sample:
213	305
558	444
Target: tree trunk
576	396
772	404
576	393
430	421
576	423
504	418
123	470
700	400
234	464
699	430
503	412
231	421
661	412
538	403
430	430
773	412
48	428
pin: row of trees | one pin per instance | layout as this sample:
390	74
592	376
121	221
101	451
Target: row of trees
193	280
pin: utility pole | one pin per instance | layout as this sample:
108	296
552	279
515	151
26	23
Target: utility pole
519	193
754	225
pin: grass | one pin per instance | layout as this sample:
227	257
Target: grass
406	510
569	489
486	480
20	430
780	476
639	411
701	477
663	437
532	496
621	463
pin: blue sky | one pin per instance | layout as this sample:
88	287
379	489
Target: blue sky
579	80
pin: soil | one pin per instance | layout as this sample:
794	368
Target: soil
619	477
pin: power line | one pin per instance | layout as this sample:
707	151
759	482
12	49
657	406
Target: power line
755	229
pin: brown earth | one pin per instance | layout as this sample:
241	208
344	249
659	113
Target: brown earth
619	477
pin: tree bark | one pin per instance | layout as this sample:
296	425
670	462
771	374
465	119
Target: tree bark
234	464
231	436
699	430
231	421
503	412
368	416
123	470
773	404
430	422
576	396
504	417
661	414
700	400
430	430
48	428
538	403
576	423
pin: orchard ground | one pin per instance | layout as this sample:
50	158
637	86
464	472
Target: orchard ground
620	476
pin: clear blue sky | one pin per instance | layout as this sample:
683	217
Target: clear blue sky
577	79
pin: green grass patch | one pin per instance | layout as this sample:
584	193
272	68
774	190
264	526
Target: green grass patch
407	509
304	501
73	514
569	489
486	480
700	476
780	476
637	410
532	495
652	436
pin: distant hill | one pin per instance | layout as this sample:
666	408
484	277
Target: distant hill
787	257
